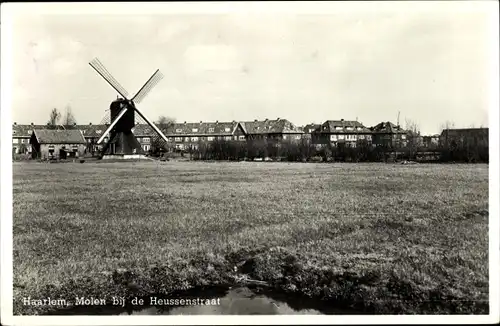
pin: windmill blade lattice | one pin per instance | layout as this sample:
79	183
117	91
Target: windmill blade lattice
148	86
106	120
101	70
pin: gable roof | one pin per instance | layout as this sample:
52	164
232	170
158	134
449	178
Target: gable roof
342	126
270	127
387	128
91	130
47	136
311	127
201	128
27	130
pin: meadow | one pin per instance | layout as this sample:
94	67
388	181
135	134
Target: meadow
383	238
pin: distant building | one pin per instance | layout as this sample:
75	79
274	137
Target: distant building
48	144
310	130
430	142
467	136
272	130
337	132
389	135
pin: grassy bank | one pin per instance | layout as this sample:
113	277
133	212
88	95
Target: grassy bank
386	238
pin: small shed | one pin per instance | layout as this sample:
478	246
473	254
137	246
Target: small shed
57	144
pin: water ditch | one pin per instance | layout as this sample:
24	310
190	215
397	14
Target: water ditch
241	300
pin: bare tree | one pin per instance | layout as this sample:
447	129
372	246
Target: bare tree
413	136
69	118
53	122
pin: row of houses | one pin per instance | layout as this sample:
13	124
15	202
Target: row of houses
188	135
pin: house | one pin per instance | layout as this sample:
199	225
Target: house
61	144
276	131
338	132
431	142
189	135
21	137
475	137
309	130
387	134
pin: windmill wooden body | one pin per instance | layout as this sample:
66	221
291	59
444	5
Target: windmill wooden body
122	142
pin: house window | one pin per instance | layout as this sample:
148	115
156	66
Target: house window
178	130
178	139
186	139
368	137
403	136
99	131
228	138
339	128
349	128
284	136
359	128
210	138
210	129
170	138
194	138
333	137
341	136
146	140
105	138
139	139
195	129
83	131
297	137
361	136
146	147
311	130
14	141
227	129
242	137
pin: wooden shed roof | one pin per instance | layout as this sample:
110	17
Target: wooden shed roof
47	136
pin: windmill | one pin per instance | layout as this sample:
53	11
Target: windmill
122	142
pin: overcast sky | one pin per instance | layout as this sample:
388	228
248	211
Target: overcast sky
432	66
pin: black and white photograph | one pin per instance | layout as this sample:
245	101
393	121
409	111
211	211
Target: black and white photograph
222	162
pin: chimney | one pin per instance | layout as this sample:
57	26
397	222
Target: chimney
278	119
201	122
32	124
15	123
90	124
265	120
185	122
255	120
74	123
216	121
341	119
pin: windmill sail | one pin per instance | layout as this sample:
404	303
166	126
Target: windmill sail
101	70
148	86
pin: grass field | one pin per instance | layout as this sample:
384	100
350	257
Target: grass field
385	238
